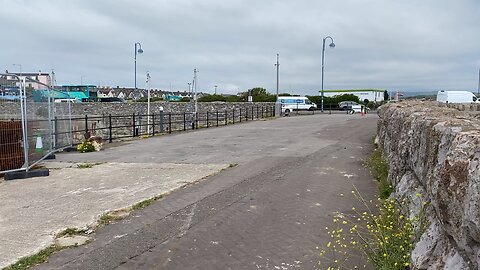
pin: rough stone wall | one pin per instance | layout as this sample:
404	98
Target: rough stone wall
129	108
434	150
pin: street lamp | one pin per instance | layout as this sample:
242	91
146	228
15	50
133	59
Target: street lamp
215	89
331	45
139	51
278	67
147	82
81	79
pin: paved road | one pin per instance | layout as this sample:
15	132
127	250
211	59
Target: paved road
269	212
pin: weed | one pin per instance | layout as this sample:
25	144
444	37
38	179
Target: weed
108	218
35	259
146	203
87	165
232	165
386	239
379	168
85	147
70	232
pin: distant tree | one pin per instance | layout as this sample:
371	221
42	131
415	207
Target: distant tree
211	98
385	95
285	94
259	94
233	98
185	99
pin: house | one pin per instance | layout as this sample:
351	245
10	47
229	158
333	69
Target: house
36	80
374	95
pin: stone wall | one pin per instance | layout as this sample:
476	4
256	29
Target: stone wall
129	108
434	151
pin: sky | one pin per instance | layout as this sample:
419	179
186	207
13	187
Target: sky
406	45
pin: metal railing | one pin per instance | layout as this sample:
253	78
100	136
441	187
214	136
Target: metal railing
116	127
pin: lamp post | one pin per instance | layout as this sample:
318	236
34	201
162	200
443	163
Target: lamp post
148	101
139	51
331	45
190	91
195	71
278	67
215	89
81	79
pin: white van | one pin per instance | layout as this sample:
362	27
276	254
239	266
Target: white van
456	97
290	104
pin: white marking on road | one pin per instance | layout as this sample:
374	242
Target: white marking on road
349	175
119	236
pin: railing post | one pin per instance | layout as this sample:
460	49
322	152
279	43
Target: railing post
184	121
233	116
153	124
217	118
110	128
252	113
87	135
257	113
169	122
161	122
133	125
226	117
55	126
246	114
240	115
208	121
196	120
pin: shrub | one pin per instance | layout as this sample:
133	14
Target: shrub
86	146
386	238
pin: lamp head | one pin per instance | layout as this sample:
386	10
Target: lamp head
140	51
332	45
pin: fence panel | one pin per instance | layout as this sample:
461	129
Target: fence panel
11	132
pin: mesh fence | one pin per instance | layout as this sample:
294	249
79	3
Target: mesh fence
28	123
11	136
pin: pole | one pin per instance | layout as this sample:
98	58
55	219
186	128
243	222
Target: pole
478	91
148	102
323	63
195	89
278	68
135	67
215	89
323	70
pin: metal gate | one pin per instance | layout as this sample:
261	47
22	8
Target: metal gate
28	123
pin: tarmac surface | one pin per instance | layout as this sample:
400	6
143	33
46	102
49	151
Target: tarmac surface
268	212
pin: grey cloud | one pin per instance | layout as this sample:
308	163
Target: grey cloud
406	45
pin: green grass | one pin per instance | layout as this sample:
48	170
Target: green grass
379	168
87	165
30	261
70	232
146	203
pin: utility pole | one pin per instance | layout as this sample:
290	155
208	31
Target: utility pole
278	68
195	91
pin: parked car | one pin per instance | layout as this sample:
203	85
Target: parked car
346	105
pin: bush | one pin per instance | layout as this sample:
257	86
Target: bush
211	98
85	147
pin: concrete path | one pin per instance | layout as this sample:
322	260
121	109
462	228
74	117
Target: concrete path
33	210
269	212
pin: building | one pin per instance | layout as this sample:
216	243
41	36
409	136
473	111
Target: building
36	80
374	95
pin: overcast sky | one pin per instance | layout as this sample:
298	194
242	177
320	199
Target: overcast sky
396	45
